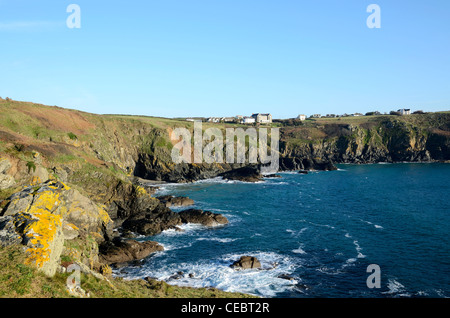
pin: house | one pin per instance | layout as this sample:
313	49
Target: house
301	117
404	111
315	116
262	118
213	120
248	120
190	119
228	119
357	114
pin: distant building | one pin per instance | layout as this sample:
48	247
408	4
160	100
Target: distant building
315	116
262	118
301	117
213	119
404	111
248	120
190	119
357	114
228	119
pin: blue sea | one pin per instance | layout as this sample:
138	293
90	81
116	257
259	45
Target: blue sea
315	234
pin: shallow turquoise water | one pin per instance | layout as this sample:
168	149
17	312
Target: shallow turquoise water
321	229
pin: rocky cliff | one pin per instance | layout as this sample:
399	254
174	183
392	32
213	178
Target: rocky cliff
414	138
68	178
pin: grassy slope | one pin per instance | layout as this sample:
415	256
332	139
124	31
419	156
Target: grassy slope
21	281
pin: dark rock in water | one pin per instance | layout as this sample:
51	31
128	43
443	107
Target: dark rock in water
303	172
285	276
152	222
305	164
178	275
302	287
170	201
246	174
202	217
122	251
246	262
272	176
324	165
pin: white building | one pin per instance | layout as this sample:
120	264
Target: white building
301	117
213	119
248	120
228	119
404	111
263	118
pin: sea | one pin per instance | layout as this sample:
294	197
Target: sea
362	231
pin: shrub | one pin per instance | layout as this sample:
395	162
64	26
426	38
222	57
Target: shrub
31	165
72	136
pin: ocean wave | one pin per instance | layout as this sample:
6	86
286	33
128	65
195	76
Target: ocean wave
183	229
395	288
299	250
217	273
358	249
217	239
370	223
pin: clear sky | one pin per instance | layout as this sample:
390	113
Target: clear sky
178	58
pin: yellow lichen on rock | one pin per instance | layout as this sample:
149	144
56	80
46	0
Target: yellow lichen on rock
44	240
47	214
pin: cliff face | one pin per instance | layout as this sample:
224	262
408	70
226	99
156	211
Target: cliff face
386	139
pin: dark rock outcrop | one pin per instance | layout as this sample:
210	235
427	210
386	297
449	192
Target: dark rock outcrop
171	201
162	218
123	251
205	218
246	262
249	173
152	222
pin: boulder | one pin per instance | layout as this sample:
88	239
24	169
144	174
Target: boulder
58	199
43	216
246	262
202	217
123	251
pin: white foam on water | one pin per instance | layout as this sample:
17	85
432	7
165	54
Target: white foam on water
185	229
358	249
217	239
218	273
396	289
378	226
299	250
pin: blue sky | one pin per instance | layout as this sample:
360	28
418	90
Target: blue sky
178	58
